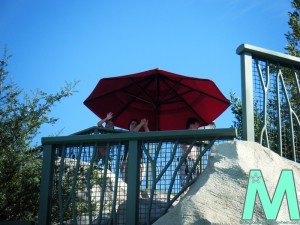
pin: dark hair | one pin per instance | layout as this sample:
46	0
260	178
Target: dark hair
131	121
108	122
190	121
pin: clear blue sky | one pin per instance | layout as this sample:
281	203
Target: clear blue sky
63	40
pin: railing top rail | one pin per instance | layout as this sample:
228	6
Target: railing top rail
99	129
268	54
220	133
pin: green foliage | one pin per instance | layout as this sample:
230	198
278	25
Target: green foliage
19	187
21	116
63	208
293	48
236	109
293	36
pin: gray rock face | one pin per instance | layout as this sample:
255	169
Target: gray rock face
218	195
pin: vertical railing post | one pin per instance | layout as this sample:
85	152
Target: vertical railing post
247	97
133	183
148	167
44	216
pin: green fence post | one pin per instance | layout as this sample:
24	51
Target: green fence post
44	216
133	183
247	94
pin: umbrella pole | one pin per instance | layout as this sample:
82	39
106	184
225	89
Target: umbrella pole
156	119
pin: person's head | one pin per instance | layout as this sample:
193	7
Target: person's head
132	124
109	124
192	123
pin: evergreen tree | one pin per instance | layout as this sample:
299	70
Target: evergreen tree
293	36
21	116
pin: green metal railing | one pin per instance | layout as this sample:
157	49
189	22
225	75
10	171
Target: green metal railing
81	186
271	98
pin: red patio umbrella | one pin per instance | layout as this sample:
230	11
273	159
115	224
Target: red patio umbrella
166	99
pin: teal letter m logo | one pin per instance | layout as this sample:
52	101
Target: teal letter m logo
285	185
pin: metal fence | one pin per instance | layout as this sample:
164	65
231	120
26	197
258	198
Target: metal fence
88	178
271	98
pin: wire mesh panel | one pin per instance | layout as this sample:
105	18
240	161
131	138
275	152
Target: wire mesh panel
93	176
170	168
276	107
89	190
88	187
271	97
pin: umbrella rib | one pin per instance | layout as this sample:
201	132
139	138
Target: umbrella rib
143	91
123	88
193	89
134	96
188	105
171	88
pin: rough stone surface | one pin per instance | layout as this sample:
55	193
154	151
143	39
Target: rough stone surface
218	195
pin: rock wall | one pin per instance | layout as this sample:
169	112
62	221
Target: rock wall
218	195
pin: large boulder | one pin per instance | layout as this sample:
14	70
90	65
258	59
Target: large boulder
218	195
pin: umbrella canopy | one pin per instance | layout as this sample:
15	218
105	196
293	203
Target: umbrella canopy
165	99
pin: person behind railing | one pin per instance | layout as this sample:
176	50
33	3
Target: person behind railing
109	123
185	169
192	124
102	149
212	125
133	126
